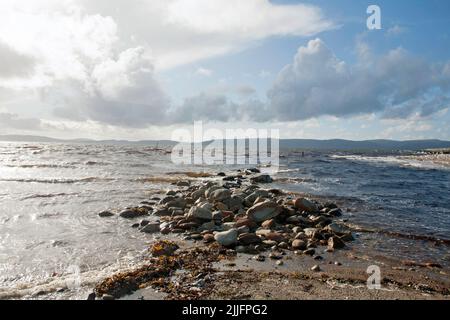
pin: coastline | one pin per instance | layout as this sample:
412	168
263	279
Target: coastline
203	269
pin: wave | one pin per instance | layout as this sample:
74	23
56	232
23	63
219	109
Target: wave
51	195
52	166
404	161
63	181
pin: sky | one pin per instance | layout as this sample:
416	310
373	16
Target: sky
116	69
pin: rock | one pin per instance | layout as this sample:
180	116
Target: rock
263	211
133	213
297	230
336	212
298	245
249	238
250	199
183	183
335	243
220	195
241	249
91	296
279	263
150	227
108	297
162	212
259	258
263	178
105	214
283	245
143	223
208	237
310	232
171	193
221	206
221	174
199	213
275	256
306	205
315	268
268	224
245	222
309	252
207	226
253	170
176	203
217	215
275	236
337	229
226	238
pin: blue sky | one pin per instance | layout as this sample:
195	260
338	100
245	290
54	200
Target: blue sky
110	70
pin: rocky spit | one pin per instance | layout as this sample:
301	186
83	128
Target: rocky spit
230	214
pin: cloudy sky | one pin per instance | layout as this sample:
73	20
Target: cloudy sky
139	69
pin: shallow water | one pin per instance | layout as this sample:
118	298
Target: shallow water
51	194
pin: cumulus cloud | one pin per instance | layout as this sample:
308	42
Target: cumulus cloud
92	62
319	83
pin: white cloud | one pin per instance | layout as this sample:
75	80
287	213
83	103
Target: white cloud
396	30
318	83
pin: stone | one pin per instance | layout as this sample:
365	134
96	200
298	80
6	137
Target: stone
315	268
162	212
220	195
309	252
105	214
133	213
336	212
259	258
171	193
337	229
310	232
279	263
183	183
263	211
299	245
249	238
268	224
335	243
263	178
245	222
210	225
150	227
226	238
306	205
199	213
108	297
297	230
275	256
221	174
176	203
250	199
208	237
221	206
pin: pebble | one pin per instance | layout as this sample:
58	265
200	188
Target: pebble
226	238
105	214
316	268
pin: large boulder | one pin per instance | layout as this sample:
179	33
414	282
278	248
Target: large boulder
200	213
262	178
226	238
305	205
220	195
263	211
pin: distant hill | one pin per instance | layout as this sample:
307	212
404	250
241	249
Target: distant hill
333	144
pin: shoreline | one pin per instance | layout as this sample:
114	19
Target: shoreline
325	271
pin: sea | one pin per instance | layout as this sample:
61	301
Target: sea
53	244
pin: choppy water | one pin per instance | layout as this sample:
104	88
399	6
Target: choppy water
50	195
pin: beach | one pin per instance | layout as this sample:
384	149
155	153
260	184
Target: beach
78	219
